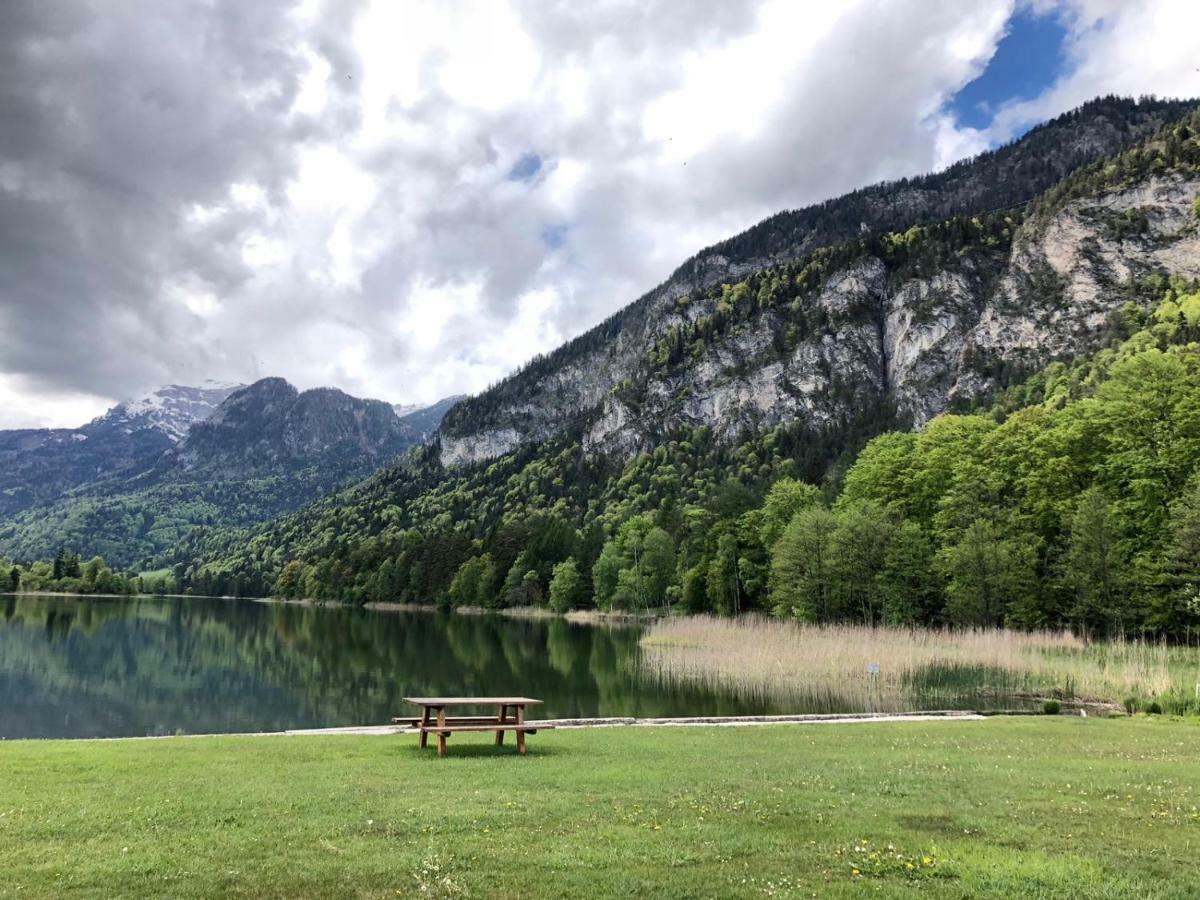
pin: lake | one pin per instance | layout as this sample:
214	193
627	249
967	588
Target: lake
100	667
73	667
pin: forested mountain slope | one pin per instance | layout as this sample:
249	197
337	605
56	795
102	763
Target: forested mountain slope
261	451
676	486
840	326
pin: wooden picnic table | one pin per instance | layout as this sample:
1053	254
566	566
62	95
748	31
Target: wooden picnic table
510	716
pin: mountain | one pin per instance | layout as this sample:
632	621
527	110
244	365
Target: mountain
270	428
862	322
130	483
421	422
779	354
170	410
39	465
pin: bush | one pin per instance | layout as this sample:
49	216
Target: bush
1154	708
1131	704
1051	707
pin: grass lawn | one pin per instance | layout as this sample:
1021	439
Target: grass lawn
1031	807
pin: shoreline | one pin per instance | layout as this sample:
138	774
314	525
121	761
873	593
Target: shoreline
574	616
945	715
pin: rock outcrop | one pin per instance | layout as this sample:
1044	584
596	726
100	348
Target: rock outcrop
913	338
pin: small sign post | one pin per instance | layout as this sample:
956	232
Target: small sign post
872	674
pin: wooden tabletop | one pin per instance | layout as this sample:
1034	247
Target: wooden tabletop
471	701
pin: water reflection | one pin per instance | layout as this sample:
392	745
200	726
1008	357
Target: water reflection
91	667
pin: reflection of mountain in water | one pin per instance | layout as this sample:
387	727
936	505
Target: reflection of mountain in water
86	667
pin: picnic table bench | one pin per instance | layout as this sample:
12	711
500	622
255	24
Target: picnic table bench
510	716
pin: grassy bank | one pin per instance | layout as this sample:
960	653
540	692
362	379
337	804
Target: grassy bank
790	661
1021	807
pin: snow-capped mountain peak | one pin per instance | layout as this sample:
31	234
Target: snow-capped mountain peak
171	409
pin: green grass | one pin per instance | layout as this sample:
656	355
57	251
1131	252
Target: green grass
1031	807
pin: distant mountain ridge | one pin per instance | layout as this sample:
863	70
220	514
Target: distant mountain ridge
38	465
271	426
149	469
171	409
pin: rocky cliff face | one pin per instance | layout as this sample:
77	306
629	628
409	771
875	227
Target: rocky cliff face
882	329
923	343
271	427
1082	253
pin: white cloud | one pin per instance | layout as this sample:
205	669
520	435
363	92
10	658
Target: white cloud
54	409
322	191
1115	47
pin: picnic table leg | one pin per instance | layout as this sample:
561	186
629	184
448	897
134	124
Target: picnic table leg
520	733
503	721
424	725
441	713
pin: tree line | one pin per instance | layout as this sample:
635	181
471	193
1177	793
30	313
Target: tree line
66	573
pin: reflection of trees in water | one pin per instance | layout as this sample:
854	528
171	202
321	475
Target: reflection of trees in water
153	666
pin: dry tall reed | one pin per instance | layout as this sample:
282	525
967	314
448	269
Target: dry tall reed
778	659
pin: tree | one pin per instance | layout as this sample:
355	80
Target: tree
630	538
658	565
514	592
694	590
290	579
91	572
566	586
531	593
605	572
857	551
908	583
627	594
1180	603
14	579
723	581
880	472
786	498
801	579
1095	563
473	583
987	574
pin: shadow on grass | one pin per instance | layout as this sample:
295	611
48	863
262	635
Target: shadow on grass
479	751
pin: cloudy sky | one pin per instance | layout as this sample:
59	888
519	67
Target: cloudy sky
407	199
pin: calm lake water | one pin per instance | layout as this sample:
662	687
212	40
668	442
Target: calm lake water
98	667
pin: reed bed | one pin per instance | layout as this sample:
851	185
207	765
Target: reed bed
827	665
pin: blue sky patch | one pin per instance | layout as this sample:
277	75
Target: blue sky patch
1028	59
526	167
554	236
